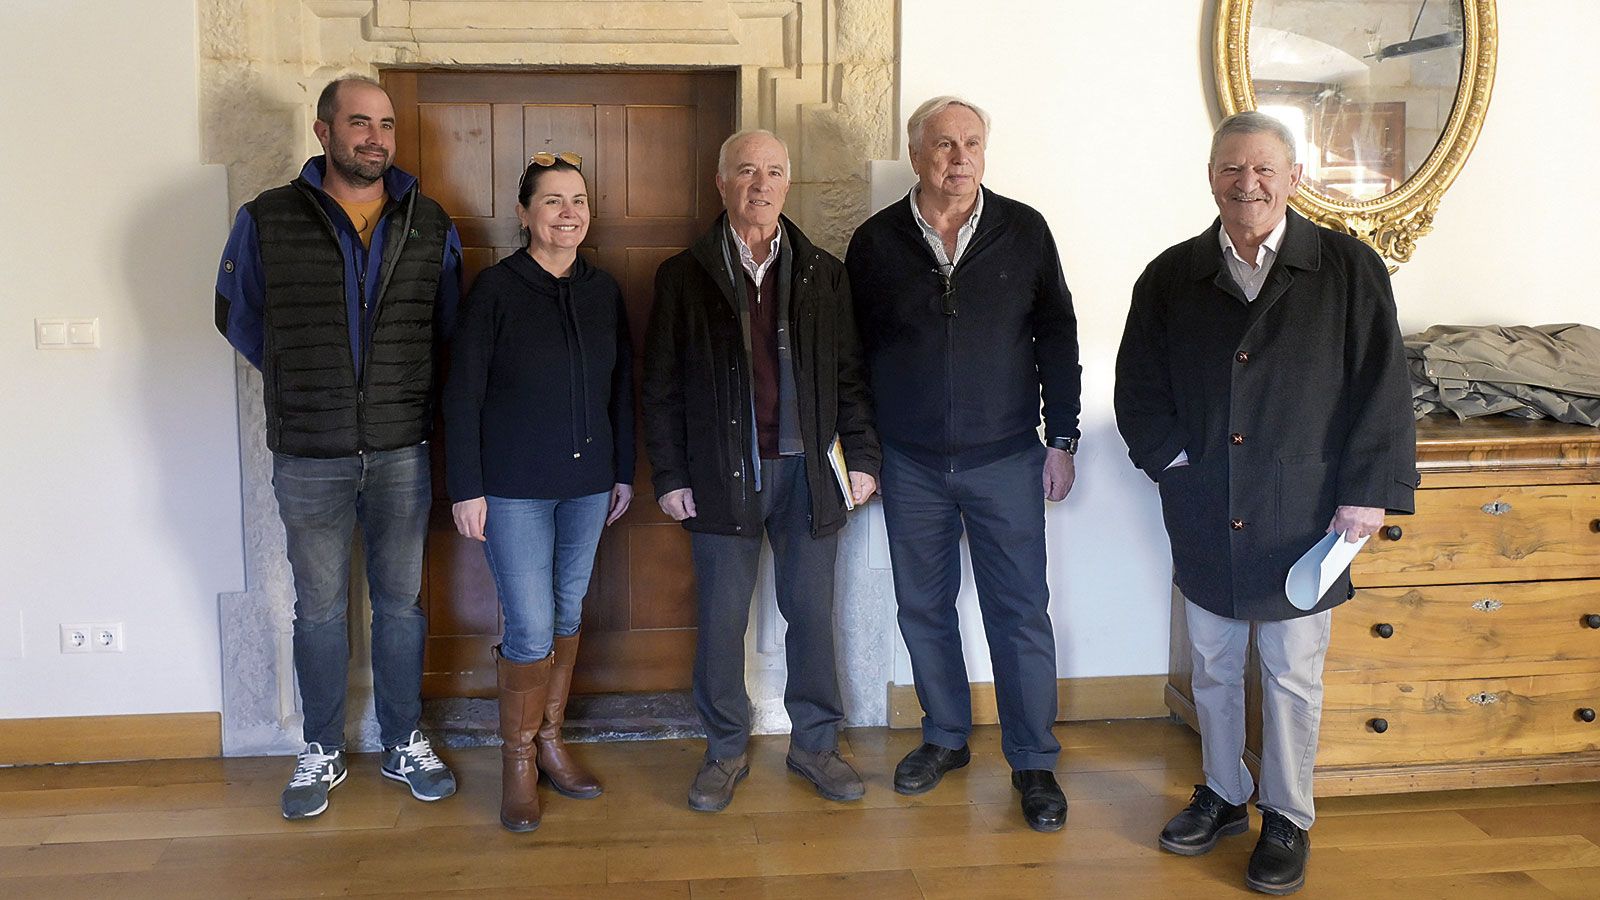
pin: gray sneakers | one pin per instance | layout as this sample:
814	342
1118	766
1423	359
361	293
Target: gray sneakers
415	764
713	786
315	774
826	769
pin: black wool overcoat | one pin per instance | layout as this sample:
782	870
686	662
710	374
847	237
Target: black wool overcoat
1288	407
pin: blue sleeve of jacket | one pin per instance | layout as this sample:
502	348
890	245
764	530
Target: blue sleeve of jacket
449	297
242	290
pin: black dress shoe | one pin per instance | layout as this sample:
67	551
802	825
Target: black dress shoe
1043	805
922	768
1278	865
1207	817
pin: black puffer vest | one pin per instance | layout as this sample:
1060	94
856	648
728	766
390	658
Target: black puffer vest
317	404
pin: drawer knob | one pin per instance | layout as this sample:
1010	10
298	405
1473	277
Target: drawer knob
1382	725
1595	525
1393	532
1592	620
1383	630
1586	714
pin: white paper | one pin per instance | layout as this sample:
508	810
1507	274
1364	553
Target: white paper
1322	565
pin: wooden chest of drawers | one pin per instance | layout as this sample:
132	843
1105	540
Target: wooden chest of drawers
1470	654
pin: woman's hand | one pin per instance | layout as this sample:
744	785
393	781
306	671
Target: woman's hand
470	516
621	496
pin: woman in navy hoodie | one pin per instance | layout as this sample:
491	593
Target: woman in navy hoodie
539	428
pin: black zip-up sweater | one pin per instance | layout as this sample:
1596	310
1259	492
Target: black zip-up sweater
539	402
963	390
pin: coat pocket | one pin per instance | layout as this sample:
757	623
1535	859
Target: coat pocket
1305	495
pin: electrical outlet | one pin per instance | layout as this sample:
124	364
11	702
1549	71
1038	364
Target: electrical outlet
107	638
75	639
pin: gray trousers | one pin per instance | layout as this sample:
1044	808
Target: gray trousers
725	567
1291	654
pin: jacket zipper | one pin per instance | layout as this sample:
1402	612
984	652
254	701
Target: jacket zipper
950	352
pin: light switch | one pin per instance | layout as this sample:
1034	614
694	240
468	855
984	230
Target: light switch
50	332
83	332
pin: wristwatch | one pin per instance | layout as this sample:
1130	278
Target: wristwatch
1063	443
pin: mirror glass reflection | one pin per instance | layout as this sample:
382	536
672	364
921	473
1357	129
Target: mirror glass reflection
1367	85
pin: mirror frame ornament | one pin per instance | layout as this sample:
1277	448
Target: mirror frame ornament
1392	223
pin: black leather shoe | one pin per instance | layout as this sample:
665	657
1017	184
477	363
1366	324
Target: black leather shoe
1207	817
922	768
1043	805
1278	865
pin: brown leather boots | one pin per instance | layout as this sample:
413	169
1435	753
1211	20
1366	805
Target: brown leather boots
533	704
566	776
524	690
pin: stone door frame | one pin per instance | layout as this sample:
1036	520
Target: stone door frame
822	74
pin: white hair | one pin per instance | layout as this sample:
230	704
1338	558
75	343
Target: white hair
737	136
931	108
1252	122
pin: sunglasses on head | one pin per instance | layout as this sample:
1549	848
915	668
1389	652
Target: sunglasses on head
545	159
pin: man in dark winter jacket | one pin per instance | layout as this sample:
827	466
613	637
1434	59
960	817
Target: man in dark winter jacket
966	320
339	287
752	372
1262	383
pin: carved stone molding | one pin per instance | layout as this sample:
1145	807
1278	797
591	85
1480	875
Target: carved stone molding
820	73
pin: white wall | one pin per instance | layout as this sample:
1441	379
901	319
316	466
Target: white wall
1103	114
120	469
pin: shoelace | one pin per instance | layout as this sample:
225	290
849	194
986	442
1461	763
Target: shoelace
311	768
421	752
1279	829
1208	801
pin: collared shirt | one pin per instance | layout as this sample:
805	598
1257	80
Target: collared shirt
936	242
748	259
1251	280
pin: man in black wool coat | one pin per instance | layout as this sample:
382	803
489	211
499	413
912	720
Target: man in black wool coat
1261	383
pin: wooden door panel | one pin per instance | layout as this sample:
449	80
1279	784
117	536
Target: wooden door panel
649	143
661	158
457	157
558	129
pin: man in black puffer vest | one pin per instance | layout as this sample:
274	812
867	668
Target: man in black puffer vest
339	287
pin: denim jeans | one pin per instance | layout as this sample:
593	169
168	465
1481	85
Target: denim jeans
321	501
541	553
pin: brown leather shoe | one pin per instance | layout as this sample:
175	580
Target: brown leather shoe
833	777
712	789
523	690
568	777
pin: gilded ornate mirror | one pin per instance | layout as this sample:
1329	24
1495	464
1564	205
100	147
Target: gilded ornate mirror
1387	96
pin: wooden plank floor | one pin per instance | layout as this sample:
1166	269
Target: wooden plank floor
211	829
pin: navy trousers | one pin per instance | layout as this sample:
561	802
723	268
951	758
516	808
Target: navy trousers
1001	508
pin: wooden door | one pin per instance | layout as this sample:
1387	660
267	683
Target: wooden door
649	144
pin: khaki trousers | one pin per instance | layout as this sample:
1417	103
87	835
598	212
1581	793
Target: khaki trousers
1291	651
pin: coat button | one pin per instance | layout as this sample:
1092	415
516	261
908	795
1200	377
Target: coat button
1236	524
1241	357
736	474
1236	438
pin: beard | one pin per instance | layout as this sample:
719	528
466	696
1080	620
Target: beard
357	170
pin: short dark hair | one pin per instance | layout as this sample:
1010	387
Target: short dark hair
328	100
531	175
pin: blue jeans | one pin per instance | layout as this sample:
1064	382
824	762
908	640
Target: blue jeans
541	553
321	501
